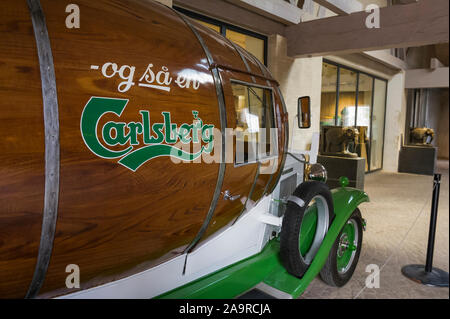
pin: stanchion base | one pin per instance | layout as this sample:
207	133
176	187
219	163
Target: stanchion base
436	278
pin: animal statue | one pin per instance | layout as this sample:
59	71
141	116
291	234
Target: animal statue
421	136
338	140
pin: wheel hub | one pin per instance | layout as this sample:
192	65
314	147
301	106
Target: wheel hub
347	246
343	245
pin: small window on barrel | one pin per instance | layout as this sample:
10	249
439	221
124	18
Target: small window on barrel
255	125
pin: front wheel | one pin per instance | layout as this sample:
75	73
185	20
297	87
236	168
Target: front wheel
344	254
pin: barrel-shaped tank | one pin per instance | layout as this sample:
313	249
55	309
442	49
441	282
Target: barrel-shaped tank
115	154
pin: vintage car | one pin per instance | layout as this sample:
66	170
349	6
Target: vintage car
146	156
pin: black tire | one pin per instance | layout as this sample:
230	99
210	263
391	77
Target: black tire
291	258
330	273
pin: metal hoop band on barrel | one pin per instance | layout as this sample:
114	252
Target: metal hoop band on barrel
223	125
52	147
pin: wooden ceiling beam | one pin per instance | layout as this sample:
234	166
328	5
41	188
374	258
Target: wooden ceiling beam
417	24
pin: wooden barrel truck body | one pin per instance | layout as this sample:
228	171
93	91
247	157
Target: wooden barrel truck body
88	174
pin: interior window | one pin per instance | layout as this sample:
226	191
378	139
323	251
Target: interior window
329	95
254	120
253	45
209	25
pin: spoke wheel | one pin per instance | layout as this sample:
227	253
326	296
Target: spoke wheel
344	255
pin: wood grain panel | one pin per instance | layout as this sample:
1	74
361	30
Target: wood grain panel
22	145
238	180
112	220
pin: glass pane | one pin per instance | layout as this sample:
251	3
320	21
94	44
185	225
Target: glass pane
253	45
379	106
254	120
347	97
209	25
365	88
328	97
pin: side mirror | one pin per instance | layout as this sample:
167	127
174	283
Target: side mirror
304	112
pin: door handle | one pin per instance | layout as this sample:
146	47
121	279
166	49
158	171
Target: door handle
227	196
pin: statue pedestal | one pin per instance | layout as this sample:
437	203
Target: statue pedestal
352	168
417	159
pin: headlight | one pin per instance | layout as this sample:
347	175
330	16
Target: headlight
315	172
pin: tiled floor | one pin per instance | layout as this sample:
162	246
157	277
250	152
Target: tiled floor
397	233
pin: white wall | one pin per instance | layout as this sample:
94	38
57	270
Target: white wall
297	77
395	121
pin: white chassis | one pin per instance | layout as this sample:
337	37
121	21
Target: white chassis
245	238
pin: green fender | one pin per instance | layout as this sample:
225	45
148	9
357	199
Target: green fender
345	201
267	267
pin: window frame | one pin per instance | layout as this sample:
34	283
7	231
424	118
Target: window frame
373	77
226	26
264	157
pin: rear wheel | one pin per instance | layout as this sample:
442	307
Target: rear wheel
305	224
344	254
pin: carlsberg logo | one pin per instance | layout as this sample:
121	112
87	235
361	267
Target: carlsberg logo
158	139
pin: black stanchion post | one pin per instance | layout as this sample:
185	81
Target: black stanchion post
428	275
433	221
